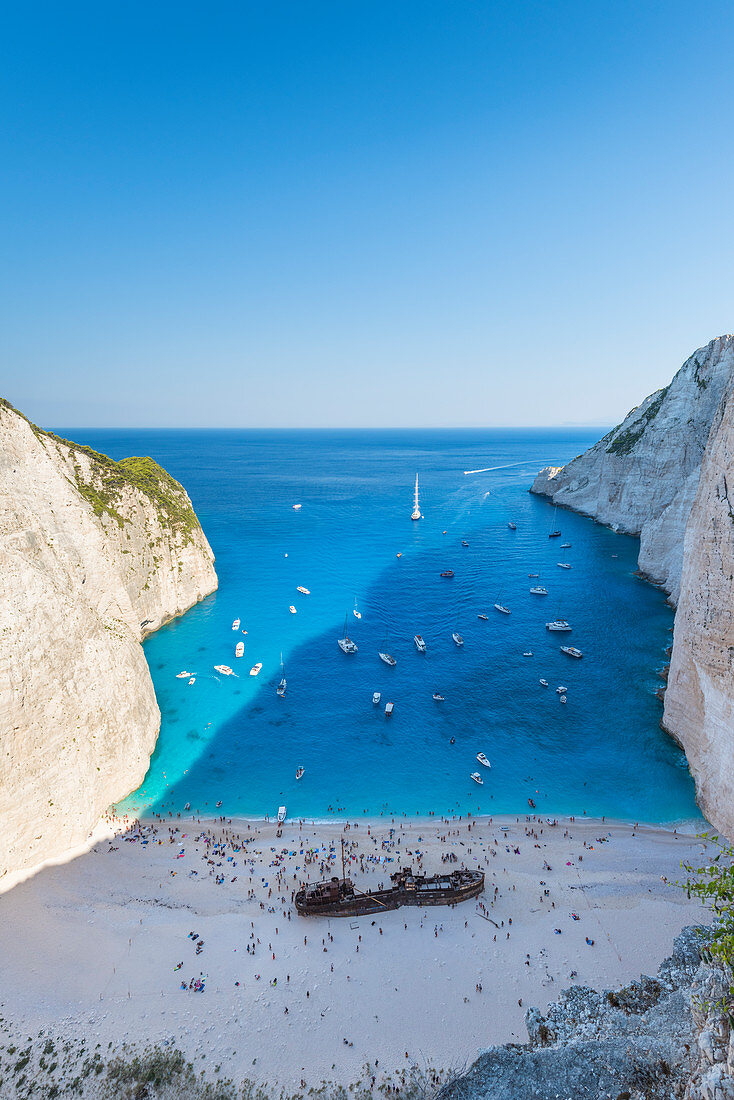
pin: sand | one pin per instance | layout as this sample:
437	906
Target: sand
92	947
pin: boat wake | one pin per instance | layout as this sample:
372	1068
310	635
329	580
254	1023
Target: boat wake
489	469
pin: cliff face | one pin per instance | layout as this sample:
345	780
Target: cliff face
642	477
93	555
699	700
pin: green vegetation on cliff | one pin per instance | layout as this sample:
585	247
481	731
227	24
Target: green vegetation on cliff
622	443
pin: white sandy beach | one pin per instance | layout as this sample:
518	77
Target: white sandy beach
92	947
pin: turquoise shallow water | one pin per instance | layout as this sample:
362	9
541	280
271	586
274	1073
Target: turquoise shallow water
233	740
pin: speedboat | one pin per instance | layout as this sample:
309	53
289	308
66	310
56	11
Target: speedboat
447	573
458	640
571	651
464	542
236	624
533	574
539	590
357	614
239	649
512	526
560	690
255	670
346	645
297	507
292	610
389	708
376	697
182	675
558	625
299	771
528	653
224	669
544	683
438	698
563	565
281	814
192	680
388	659
477	778
303	591
483	760
562	699
503	609
485	617
420	644
565	546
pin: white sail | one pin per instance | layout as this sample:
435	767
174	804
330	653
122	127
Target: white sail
416	505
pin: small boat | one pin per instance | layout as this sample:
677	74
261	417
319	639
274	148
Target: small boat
560	690
447	573
398	555
538	590
303	591
458	640
297	507
300	770
389	708
512	526
554	534
565	546
239	649
533	574
563	565
192	680
420	644
255	670
485	617
571	651
483	760
452	741
182	675
437	698
376	697
477	778
346	645
283	682
543	683
357	614
558	625
416	507
292	610
504	610
562	699
236	624
224	669
281	814
464	542
528	653
387	658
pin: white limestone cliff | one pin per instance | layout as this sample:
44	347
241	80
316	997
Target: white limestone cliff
94	554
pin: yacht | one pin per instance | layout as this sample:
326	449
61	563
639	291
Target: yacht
543	683
561	690
565	546
376	697
292	610
539	590
389	708
303	591
416	507
485	617
563	565
559	625
255	670
387	658
528	653
477	778
420	644
562	699
283	683
236	624
192	679
297	507
438	698
281	814
300	771
458	640
239	649
447	573
483	760
182	675
571	651
503	609
554	534
512	526
224	669
346	645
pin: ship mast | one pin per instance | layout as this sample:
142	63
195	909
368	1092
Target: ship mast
416	505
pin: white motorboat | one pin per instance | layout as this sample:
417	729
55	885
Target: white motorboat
303	591
416	506
438	698
224	669
376	696
389	708
483	760
458	640
281	814
300	770
485	617
420	644
357	614
512	526
543	682
255	670
236	624
558	625
182	675
239	649
477	778
346	645
560	690
565	546
192	680
297	507
562	699
283	682
528	653
563	565
539	590
571	651
292	610
387	658
501	608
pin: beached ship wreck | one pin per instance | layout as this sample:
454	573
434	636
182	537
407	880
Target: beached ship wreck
338	897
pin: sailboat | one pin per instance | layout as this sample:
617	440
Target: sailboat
416	506
282	685
554	534
357	614
346	645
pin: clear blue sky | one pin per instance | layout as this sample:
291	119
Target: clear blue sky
360	213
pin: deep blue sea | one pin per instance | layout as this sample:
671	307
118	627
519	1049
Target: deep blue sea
234	740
